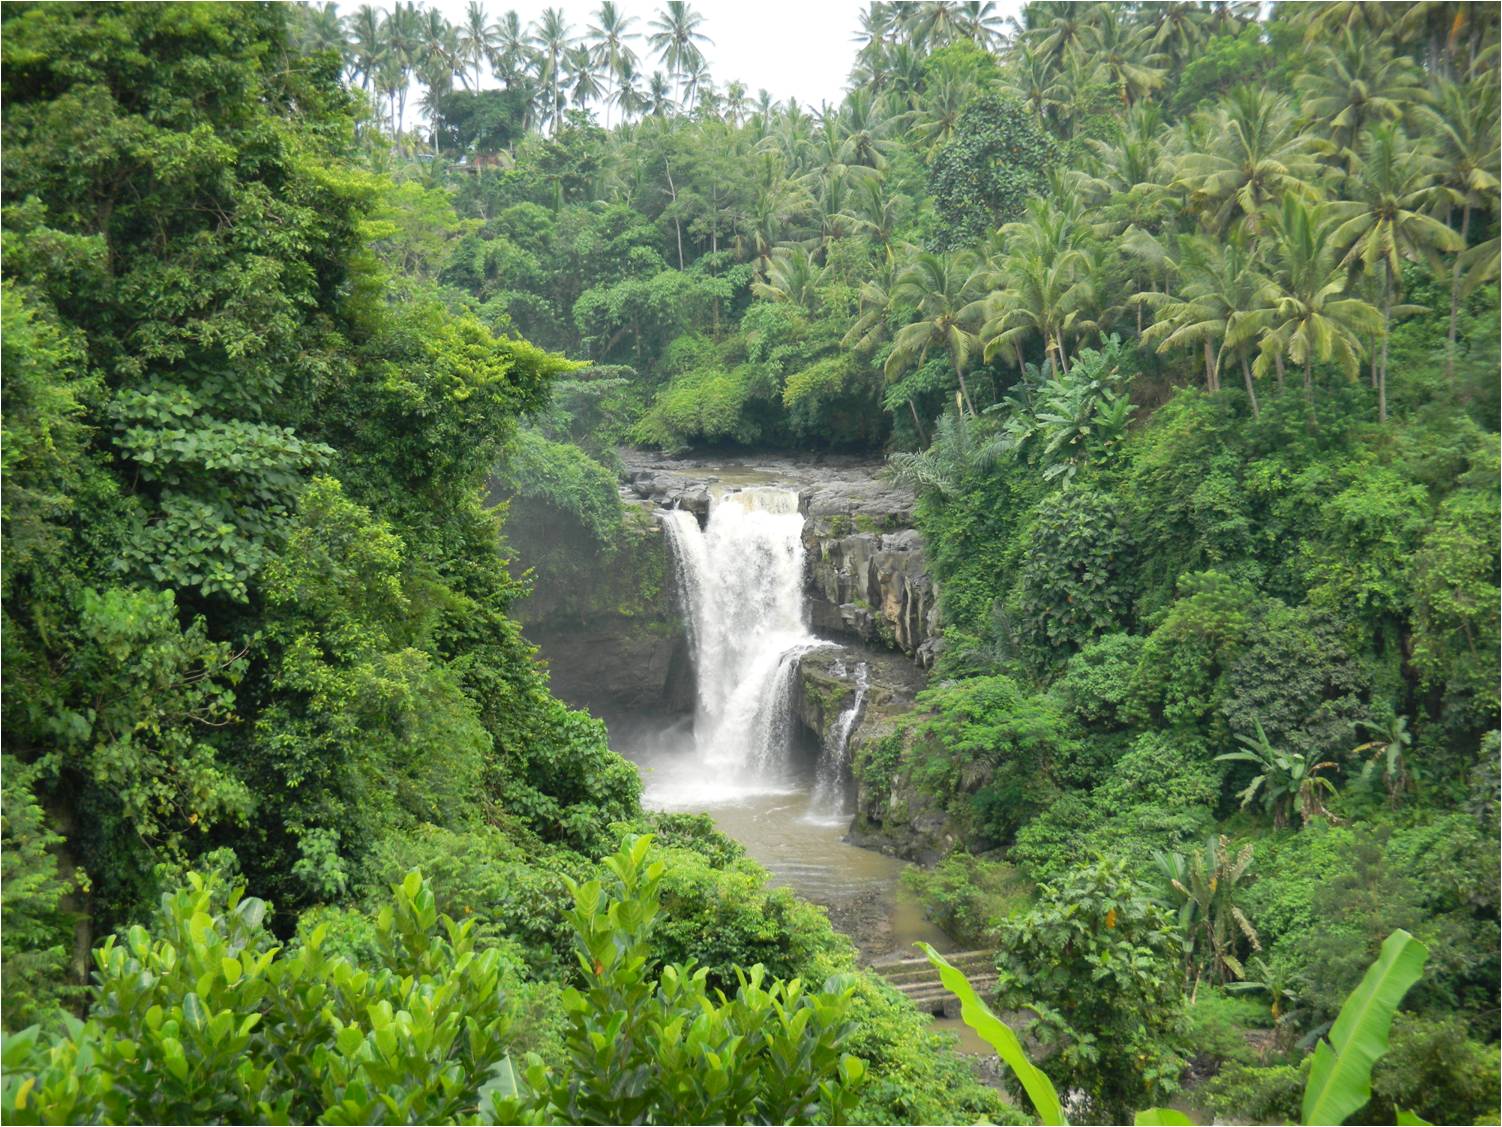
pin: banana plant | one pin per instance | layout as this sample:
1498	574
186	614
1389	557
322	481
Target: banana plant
1340	1076
1286	780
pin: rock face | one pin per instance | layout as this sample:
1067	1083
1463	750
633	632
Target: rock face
826	687
609	627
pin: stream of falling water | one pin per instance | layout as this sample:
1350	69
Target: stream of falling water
741	579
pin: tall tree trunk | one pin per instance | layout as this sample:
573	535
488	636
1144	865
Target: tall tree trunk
1465	223
1309	388
965	391
1251	392
922	437
1278	363
677	226
1211	385
1382	368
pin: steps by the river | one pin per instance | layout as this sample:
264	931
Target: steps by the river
918	979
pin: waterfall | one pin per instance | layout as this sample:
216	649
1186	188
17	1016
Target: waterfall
741	579
829	793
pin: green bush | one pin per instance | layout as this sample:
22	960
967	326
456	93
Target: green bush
1433	1069
1075	578
204	1018
1098	963
968	896
1255	1093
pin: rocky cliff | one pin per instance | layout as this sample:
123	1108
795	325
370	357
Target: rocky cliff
606	620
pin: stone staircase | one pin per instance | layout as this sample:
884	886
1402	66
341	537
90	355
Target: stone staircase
919	981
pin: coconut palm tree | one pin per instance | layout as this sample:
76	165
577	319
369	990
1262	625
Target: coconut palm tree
1256	157
1180	30
367	43
659	96
793	277
1124	53
550	38
933	123
736	104
1387	221
1045	289
609	42
584	73
1060	31
1304	312
1463	123
508	59
1215	287
876	215
943	293
627	96
478	38
677	38
1355	85
1033	78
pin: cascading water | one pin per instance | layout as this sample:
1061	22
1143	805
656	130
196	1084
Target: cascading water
742	583
829	792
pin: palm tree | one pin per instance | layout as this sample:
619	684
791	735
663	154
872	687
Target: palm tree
479	38
1061	30
583	71
367	43
551	39
1033	78
628	96
1386	222
1181	29
1463	123
1217	287
1356	85
942	292
677	38
608	38
509	55
933	123
1304	313
659	97
1046	288
792	277
1124	53
1257	156
875	213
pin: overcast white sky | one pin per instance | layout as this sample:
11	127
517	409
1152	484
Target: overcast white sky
799	49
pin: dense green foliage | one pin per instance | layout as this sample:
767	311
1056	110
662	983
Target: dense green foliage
1181	319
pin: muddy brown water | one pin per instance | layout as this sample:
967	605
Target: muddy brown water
802	848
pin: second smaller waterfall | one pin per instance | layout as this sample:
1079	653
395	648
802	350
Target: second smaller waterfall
829	792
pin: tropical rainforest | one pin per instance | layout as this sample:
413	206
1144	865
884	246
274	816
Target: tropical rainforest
1180	318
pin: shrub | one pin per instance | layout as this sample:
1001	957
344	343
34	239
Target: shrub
1098	962
1074	583
967	896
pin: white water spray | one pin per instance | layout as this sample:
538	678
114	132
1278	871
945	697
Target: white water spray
742	582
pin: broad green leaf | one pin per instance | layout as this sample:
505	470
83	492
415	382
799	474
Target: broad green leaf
996	1033
1162	1117
1409	1119
1340	1079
